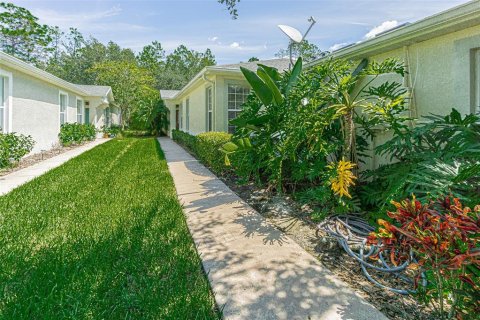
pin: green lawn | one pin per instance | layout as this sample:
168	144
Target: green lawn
101	237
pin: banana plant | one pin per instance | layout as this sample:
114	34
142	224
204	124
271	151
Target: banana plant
358	100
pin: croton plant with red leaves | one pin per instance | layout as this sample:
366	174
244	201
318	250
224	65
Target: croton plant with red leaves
444	238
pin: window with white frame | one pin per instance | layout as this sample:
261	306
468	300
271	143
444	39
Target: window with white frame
79	110
3	98
209	104
236	97
63	107
187	114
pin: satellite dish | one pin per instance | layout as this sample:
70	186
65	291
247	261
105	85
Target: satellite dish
292	33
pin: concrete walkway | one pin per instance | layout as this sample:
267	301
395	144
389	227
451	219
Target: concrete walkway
17	178
256	272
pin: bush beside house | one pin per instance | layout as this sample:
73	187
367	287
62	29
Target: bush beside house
205	147
13	147
76	133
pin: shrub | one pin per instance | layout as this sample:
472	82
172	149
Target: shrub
112	131
302	123
184	139
13	147
207	147
76	133
444	238
136	133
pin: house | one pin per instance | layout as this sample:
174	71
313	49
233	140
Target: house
441	54
34	102
213	97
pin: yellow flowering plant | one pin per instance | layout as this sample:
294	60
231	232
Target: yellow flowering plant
343	178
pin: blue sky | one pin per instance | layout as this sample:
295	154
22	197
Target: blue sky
201	24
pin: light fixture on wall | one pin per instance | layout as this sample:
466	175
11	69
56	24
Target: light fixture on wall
295	36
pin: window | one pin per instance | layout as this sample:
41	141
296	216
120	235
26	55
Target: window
181	116
209	104
63	107
79	110
187	115
2	104
107	115
177	117
237	95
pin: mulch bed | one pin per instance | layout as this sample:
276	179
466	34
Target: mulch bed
294	220
36	158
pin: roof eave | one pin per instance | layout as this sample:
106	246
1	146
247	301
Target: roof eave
24	67
199	76
458	18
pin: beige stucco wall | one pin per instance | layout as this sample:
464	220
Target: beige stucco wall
36	111
441	74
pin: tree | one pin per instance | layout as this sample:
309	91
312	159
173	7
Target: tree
182	65
231	7
22	36
252	59
308	51
132	85
152	56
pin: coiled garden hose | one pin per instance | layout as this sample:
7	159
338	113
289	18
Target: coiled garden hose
351	233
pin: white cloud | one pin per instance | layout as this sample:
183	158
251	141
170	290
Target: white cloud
235	45
98	23
213	39
65	20
337	46
386	25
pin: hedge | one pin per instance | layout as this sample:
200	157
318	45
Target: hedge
76	133
13	147
185	140
205	147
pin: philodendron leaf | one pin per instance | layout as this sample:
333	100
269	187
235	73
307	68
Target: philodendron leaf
297	69
260	88
277	95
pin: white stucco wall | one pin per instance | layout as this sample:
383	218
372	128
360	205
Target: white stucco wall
198	107
441	73
35	109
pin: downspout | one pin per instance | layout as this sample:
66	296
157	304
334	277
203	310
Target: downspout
214	102
409	84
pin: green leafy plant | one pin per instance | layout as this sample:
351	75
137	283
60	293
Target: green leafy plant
76	133
432	159
112	130
207	148
13	147
442	240
184	139
296	126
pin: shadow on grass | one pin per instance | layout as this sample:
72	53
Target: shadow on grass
141	265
